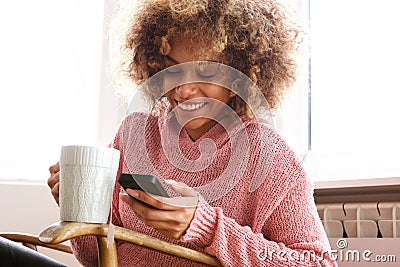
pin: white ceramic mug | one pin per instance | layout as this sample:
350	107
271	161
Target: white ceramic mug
87	179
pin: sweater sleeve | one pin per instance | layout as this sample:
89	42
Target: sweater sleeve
293	239
291	233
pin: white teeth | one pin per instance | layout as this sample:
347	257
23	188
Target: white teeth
191	106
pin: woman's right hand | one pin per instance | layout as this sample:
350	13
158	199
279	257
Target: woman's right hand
54	181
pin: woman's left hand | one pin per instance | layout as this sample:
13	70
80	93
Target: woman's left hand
169	216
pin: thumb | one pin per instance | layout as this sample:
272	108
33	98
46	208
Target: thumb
181	188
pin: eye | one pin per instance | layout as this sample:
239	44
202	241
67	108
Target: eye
173	70
207	69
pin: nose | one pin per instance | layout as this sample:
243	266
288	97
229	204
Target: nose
186	90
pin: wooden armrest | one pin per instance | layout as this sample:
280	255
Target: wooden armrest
62	231
32	241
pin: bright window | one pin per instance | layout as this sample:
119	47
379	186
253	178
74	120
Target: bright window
355	92
50	72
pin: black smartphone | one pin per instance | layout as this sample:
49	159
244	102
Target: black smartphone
144	182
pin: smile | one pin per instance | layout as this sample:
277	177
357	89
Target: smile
192	107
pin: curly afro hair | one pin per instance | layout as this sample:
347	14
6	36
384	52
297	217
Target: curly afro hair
256	37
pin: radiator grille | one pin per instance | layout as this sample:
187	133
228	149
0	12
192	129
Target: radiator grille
361	220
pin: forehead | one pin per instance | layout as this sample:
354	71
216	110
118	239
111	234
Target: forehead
187	50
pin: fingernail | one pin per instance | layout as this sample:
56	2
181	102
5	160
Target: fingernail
168	181
132	193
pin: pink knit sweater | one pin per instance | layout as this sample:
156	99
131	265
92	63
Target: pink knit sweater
260	209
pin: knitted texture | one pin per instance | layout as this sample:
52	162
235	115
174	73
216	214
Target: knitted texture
257	203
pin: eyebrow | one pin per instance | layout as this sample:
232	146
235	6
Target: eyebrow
171	59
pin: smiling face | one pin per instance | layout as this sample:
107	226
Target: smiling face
194	101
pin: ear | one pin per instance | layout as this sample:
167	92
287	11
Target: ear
165	47
253	73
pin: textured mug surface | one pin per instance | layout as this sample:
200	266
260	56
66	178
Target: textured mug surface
87	179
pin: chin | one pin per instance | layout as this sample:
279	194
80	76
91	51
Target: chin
197	124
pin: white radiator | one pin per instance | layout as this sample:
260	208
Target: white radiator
363	234
361	219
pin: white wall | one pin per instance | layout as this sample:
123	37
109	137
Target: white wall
30	208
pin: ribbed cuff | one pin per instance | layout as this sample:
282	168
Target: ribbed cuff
202	228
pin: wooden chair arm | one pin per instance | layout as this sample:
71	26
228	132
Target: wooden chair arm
32	241
62	231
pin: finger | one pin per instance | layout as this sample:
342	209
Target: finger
189	197
183	202
161	219
126	198
181	188
55	191
54	168
144	211
53	180
130	201
157	202
165	203
135	204
169	223
54	175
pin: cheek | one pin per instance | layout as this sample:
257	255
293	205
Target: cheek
169	83
220	93
166	87
170	96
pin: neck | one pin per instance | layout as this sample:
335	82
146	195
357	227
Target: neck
195	134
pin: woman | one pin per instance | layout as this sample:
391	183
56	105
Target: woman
240	192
